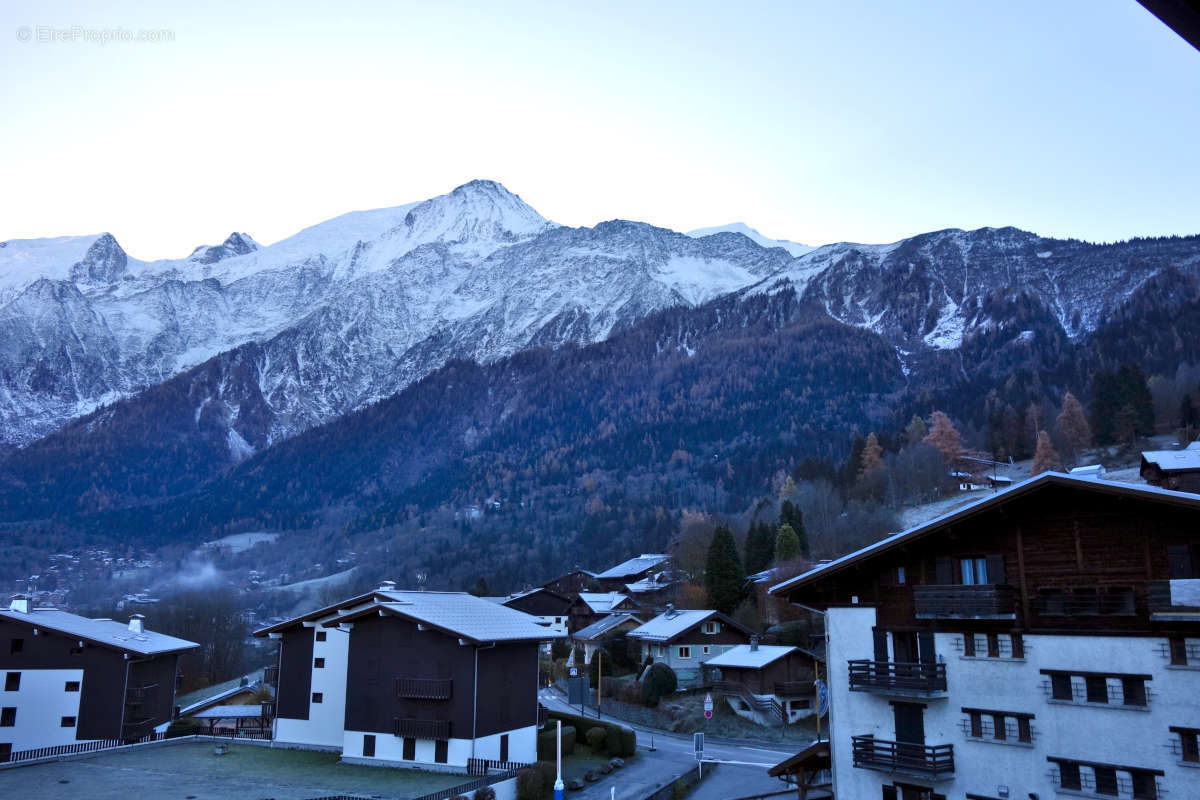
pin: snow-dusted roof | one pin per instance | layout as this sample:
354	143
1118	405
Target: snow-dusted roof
456	613
602	602
1173	459
634	566
603	626
670	624
103	632
1030	484
651	584
228	712
744	656
1193	446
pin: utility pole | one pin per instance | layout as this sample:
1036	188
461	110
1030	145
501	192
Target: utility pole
559	787
599	677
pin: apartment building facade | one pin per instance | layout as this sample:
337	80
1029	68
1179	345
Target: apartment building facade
68	679
1042	642
423	679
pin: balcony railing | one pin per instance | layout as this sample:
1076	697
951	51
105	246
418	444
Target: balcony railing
918	760
897	677
424	688
985	601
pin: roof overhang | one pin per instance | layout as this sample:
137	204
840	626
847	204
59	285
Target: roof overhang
1022	489
389	609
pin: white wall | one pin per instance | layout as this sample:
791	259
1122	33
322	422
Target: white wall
41	703
1112	734
522	746
326	720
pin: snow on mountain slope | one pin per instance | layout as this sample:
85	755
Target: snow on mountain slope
795	248
347	311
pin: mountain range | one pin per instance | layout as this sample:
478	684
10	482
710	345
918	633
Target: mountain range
411	357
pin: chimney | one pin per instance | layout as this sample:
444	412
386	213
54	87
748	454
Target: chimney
19	603
135	624
753	643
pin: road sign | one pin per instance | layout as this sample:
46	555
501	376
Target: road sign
698	740
574	672
577	690
708	706
822	698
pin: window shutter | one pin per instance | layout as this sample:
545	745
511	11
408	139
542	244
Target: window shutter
881	649
889	793
995	569
944	570
1018	646
925	650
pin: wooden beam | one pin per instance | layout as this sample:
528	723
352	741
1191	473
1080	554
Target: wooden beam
1021	576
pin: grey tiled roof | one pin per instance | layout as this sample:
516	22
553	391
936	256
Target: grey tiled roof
603	626
105	632
635	566
459	614
670	624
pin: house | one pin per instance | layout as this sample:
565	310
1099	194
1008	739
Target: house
1040	642
572	583
588	607
70	679
603	630
769	684
428	679
616	578
654	591
1172	469
548	606
683	640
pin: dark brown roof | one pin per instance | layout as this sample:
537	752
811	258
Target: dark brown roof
814	757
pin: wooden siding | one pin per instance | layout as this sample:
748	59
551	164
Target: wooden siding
295	673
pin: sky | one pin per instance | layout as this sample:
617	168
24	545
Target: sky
811	121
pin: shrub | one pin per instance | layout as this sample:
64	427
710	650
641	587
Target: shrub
628	743
596	738
185	727
612	741
546	739
486	793
559	648
530	784
660	681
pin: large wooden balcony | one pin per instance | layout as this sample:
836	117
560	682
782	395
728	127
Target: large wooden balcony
984	601
1179	597
930	762
898	678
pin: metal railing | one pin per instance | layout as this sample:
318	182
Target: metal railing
482	766
763	705
897	676
424	688
79	747
422	728
926	761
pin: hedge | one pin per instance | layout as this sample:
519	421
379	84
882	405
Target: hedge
619	740
547	740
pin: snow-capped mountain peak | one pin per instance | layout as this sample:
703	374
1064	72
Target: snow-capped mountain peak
236	244
795	248
482	213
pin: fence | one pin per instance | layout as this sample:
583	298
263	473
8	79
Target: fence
482	766
81	747
470	786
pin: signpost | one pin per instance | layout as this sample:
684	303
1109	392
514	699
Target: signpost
708	706
698	741
559	787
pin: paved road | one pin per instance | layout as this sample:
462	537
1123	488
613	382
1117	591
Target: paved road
675	753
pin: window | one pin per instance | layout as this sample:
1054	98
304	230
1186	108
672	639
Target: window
993	645
901	576
1189	744
319	663
1085	601
998	726
410	748
12	682
705	650
685	652
1119	601
1180	563
974	571
1106	780
1068	775
1052	602
369	745
1118	691
711	627
8	717
16	646
318	697
1178	648
67	722
321	635
441	751
969	644
71	686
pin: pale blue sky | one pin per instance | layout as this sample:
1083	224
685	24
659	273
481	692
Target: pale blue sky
814	121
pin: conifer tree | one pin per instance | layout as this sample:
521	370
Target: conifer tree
724	580
790	514
1046	457
787	544
760	547
916	431
1073	424
944	437
872	456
